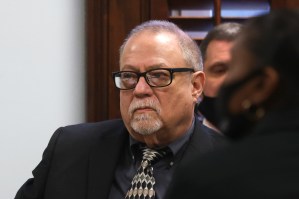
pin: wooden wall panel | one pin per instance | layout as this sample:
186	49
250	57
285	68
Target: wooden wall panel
276	4
96	58
158	9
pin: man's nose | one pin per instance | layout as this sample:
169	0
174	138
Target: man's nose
142	87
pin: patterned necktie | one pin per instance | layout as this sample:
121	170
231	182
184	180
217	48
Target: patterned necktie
142	185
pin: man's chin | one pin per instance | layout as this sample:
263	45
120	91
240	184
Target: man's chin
146	126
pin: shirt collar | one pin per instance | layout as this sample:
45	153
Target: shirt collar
174	146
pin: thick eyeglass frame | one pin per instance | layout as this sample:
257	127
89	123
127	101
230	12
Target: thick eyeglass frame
170	70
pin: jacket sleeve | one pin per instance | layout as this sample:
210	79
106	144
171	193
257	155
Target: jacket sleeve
34	187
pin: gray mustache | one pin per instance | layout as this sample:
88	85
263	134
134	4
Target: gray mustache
143	104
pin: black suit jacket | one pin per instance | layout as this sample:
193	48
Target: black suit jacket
80	160
261	166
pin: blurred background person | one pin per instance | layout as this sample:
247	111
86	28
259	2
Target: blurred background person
259	104
215	49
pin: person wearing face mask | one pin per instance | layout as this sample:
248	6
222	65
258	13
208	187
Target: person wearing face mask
259	107
215	49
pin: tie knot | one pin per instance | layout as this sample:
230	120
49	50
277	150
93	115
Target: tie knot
153	156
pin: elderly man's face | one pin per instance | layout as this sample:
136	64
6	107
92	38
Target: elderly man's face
157	116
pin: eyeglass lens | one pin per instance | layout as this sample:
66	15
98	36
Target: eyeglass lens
155	78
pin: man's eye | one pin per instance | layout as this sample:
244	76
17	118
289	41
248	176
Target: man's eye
158	75
219	69
128	75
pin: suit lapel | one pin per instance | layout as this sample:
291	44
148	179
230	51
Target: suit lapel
103	160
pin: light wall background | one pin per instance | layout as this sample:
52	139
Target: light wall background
42	81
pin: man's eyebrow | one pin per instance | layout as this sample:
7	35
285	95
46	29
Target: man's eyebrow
136	68
129	67
161	65
220	63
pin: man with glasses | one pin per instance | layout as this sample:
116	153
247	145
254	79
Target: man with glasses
160	80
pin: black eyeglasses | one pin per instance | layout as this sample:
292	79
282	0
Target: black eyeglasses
159	77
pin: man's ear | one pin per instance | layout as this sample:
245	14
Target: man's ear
198	81
265	86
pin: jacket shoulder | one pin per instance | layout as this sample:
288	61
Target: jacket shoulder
103	128
83	136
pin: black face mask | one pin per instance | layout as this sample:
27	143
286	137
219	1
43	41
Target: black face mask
207	108
234	125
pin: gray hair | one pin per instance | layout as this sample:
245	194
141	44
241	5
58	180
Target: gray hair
188	46
222	32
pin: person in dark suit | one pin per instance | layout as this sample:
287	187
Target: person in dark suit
160	79
259	107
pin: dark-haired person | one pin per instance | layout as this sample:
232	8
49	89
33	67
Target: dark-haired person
259	104
160	80
215	49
